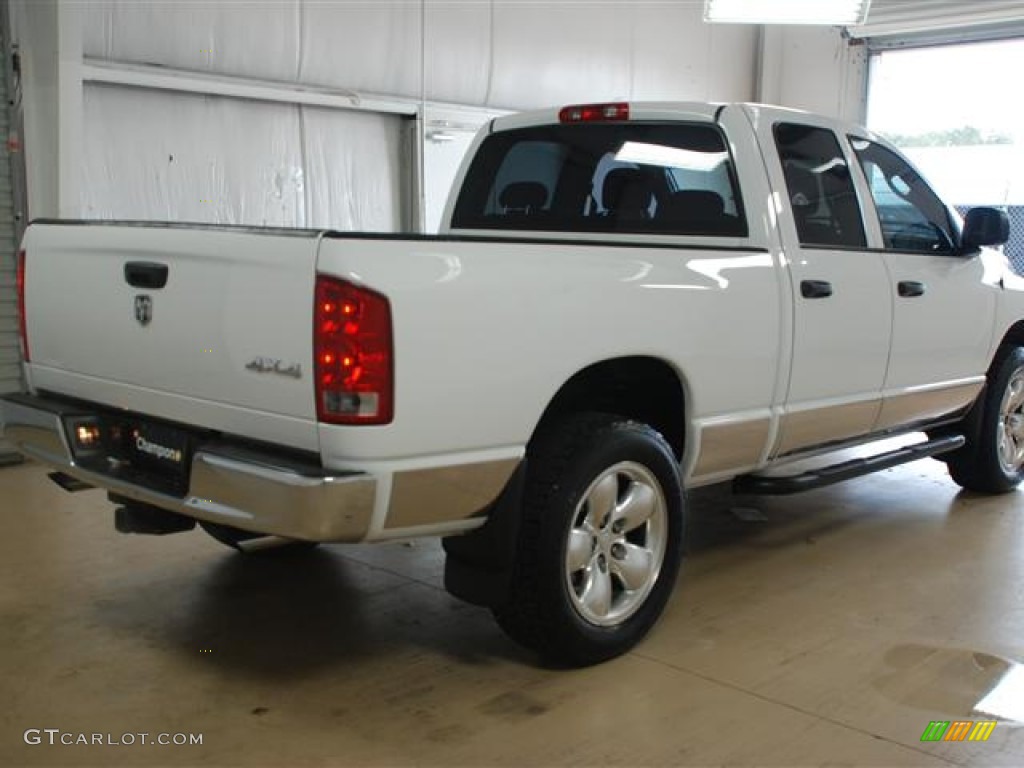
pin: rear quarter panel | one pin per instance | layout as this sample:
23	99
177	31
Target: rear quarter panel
486	332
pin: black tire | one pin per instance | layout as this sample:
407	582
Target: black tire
984	464
236	538
558	609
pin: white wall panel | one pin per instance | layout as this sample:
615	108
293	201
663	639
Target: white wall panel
179	157
554	53
450	131
515	54
356	175
458	62
111	154
362	46
677	56
442	161
813	68
251	38
170	156
36	27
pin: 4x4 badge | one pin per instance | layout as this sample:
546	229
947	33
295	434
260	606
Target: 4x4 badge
143	309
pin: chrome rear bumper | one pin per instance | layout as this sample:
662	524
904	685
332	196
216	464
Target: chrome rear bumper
249	489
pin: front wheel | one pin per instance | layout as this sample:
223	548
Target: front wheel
600	541
994	461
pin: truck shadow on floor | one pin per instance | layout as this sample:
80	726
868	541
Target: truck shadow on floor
285	615
290	615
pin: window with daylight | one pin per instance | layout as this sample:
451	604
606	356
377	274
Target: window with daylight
950	109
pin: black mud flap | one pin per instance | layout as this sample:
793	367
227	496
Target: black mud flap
478	565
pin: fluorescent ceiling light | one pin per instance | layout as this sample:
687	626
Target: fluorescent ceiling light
833	12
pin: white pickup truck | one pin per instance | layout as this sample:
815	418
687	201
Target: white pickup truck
627	300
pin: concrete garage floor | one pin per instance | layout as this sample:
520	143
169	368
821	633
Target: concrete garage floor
829	632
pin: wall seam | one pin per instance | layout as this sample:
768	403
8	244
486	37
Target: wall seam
300	21
490	57
307	199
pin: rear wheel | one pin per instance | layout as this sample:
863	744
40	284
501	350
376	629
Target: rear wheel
994	462
600	541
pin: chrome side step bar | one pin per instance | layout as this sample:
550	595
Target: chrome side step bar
763	485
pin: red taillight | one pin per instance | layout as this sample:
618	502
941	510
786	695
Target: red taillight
594	113
354	359
22	326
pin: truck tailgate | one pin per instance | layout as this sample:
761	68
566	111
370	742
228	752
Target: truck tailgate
225	344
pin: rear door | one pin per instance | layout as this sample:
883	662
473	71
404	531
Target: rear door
206	326
842	313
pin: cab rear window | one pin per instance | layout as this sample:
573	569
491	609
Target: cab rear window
626	177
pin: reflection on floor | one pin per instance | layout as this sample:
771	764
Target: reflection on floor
832	627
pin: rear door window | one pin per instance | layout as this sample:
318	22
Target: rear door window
821	193
625	177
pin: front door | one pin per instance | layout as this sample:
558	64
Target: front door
943	301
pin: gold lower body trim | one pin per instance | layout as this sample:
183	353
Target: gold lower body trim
731	445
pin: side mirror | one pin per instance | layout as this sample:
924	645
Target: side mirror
985	226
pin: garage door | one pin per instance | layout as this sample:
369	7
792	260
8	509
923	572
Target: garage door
893	23
10	353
